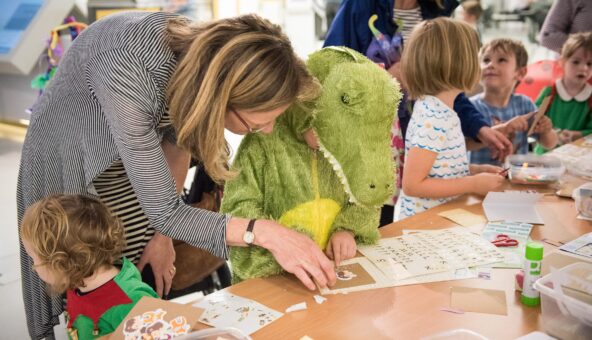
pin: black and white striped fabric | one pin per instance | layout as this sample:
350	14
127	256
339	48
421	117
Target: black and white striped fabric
410	18
100	117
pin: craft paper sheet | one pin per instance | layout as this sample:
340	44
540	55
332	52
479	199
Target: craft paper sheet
580	246
514	256
512	206
222	310
431	252
463	217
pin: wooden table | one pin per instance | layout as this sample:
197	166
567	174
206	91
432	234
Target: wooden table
410	312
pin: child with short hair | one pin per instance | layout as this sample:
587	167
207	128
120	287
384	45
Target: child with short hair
440	62
74	243
570	109
503	64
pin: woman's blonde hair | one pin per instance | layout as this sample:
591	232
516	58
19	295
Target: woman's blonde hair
440	55
74	236
575	42
242	63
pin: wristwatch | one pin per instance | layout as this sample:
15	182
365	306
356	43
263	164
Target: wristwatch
249	236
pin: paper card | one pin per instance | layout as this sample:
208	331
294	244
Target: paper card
222	310
539	114
156	319
514	256
512	207
479	300
463	217
357	274
430	252
580	246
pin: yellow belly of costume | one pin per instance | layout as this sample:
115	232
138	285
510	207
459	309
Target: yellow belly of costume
316	216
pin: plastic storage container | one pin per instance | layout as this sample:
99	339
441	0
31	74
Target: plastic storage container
534	169
583	197
566	301
581	168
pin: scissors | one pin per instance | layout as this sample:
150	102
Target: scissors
503	240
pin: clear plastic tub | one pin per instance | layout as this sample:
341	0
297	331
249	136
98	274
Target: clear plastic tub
534	169
581	168
583	197
566	301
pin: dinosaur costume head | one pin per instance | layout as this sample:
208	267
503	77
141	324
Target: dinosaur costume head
355	111
341	186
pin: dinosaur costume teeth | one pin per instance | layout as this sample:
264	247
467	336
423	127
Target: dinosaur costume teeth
338	170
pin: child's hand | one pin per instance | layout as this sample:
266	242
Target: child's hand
568	136
544	125
519	123
341	246
484	168
485	182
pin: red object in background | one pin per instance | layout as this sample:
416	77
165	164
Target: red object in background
539	75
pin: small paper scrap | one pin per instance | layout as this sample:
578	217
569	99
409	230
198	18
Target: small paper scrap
306	337
484	274
319	299
296	307
452	310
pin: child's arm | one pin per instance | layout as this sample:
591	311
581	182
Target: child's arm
547	137
416	182
341	246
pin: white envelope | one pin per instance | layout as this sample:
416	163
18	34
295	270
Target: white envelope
513	206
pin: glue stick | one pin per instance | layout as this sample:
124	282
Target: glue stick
532	272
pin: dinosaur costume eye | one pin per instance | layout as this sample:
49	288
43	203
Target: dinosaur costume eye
345	98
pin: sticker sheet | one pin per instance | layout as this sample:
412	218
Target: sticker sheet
513	256
222	310
431	252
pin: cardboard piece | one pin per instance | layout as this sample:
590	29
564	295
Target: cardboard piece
357	274
463	217
490	301
512	206
155	315
539	114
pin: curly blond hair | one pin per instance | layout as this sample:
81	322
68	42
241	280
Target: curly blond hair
74	236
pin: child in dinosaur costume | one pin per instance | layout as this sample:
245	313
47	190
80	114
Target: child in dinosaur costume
74	242
339	187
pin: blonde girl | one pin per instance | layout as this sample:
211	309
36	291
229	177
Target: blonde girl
439	62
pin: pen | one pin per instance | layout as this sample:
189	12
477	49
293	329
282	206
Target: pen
504	172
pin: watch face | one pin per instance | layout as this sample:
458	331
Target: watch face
248	237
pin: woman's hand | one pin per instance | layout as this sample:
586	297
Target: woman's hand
499	144
341	246
160	254
296	253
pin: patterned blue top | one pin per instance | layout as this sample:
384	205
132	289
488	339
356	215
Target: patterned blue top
518	105
435	127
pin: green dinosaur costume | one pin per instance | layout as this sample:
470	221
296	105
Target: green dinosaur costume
340	187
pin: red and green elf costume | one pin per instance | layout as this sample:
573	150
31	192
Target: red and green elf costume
99	312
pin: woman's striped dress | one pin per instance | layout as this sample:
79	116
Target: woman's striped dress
97	130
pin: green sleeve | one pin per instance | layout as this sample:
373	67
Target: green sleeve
244	195
588	129
362	221
544	93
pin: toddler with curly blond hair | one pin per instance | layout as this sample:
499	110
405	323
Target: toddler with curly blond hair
76	244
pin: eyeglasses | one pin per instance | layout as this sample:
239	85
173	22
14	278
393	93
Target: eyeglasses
250	129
